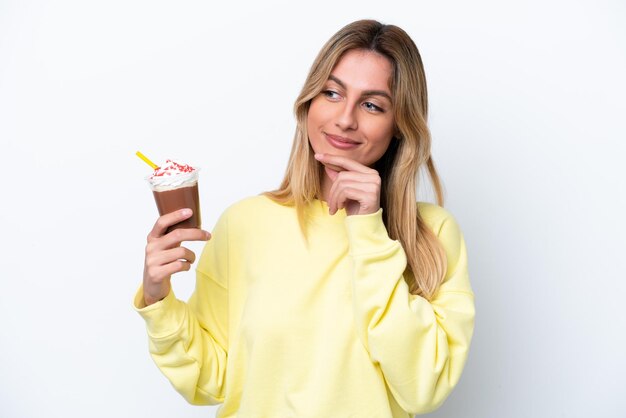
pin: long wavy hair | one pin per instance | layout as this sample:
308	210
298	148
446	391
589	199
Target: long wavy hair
399	168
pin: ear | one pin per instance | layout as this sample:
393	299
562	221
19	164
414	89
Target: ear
397	134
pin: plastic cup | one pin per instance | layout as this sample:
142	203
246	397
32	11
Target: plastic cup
175	192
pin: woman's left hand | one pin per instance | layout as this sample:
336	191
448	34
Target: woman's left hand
355	187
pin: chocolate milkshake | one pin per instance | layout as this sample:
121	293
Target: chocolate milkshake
175	186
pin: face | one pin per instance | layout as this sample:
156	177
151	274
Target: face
353	115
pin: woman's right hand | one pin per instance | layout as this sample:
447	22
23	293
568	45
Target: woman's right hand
165	256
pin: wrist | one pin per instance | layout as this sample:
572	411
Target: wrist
150	298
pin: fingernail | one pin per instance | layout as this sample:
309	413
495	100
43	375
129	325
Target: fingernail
185	212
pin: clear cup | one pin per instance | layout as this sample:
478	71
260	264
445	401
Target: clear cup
175	192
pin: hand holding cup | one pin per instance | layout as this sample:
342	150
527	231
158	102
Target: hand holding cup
165	255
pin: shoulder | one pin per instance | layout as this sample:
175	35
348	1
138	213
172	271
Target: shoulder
255	214
246	204
447	230
436	217
253	205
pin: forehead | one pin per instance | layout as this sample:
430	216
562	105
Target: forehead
364	70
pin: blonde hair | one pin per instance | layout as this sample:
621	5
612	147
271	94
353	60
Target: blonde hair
398	167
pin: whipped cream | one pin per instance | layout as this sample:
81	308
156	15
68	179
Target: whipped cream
172	175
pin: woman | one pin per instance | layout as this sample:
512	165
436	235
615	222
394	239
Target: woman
335	295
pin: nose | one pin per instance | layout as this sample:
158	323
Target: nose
346	117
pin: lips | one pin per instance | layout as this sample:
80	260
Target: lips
341	142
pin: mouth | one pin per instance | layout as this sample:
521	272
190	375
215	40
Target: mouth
341	142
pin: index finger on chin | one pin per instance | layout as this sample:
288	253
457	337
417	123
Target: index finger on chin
342	163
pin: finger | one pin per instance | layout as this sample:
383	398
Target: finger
167	220
365	187
155	274
173	267
355	176
370	182
367	201
366	194
340	200
343	163
165	257
334	168
176	237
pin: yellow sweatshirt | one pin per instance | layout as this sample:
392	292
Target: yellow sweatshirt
277	328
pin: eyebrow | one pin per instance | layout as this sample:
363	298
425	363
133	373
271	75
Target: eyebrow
366	92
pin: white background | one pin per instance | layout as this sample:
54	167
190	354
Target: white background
527	115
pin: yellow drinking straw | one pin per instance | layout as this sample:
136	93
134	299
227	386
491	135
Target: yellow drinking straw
146	160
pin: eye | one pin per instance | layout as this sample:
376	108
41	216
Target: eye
371	107
333	95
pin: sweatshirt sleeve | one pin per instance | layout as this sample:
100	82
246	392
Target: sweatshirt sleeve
420	346
189	341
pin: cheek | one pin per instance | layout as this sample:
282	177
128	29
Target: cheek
381	133
379	150
313	121
310	118
315	113
380	138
